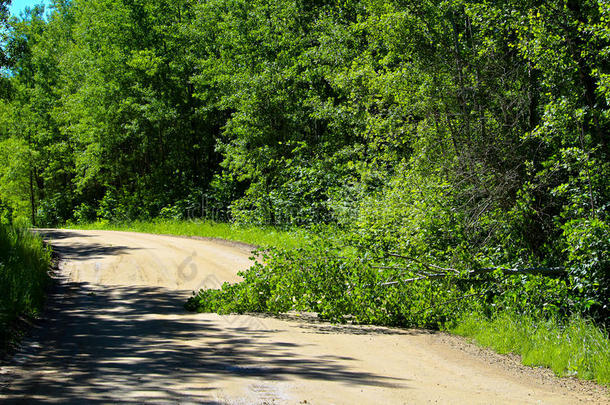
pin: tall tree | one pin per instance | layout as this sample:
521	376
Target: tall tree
4	15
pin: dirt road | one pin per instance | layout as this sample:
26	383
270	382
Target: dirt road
115	332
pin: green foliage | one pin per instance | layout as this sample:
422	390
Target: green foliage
344	285
4	58
6	214
24	266
14	169
53	210
84	214
588	247
300	195
411	214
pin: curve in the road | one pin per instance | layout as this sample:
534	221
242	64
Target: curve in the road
115	332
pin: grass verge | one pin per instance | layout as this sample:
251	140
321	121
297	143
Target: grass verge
572	347
24	265
259	236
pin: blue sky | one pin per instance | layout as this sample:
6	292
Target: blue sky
17	6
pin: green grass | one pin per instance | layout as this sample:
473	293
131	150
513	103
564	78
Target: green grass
574	347
24	265
259	236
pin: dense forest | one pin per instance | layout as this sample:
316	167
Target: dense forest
459	134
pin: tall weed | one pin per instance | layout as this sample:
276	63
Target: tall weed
570	347
24	265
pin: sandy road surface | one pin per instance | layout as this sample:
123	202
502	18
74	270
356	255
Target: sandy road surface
115	332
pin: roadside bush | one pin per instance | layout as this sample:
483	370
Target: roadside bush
588	249
298	194
54	210
24	265
121	206
175	212
6	213
85	213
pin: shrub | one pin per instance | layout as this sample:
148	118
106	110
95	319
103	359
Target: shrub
24	263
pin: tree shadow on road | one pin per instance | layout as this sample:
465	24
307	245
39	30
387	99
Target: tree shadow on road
312	324
58	234
89	251
138	345
79	251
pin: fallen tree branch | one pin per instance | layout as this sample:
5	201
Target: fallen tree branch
528	270
427	265
462	298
